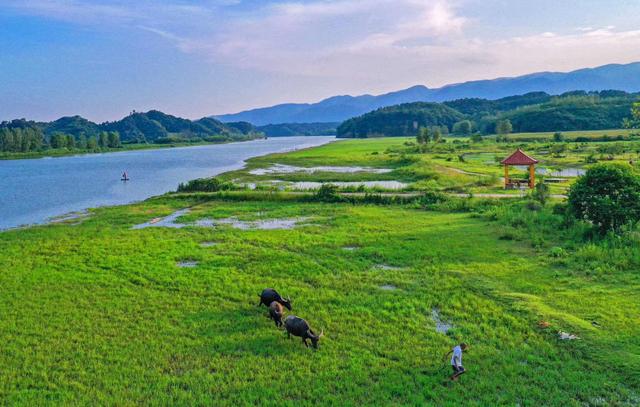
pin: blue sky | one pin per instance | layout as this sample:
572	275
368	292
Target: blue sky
103	58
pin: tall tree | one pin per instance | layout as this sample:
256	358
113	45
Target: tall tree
437	135
114	139
463	127
92	143
634	121
82	141
103	140
504	127
423	136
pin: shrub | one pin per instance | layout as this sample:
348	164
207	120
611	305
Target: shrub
205	185
327	193
541	193
557	251
608	196
431	198
533	206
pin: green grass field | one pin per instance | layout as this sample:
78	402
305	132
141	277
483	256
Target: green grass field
96	313
456	166
571	135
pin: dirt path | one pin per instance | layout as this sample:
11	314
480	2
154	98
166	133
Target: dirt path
459	171
499	196
458	195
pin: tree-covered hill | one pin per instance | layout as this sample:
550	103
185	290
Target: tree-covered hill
78	133
582	112
400	120
299	129
73	125
156	126
531	112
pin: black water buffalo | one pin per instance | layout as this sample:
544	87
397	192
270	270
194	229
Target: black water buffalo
270	295
275	312
299	327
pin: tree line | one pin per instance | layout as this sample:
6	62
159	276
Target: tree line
32	139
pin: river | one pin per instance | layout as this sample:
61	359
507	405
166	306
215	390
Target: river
35	190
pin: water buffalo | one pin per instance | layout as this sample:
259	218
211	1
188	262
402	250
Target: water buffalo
299	327
270	295
275	312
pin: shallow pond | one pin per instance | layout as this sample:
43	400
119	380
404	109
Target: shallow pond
166	222
290	169
266	224
310	185
564	173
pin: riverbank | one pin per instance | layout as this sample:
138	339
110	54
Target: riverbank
155	302
65	152
34	190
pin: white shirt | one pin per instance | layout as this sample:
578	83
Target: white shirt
457	354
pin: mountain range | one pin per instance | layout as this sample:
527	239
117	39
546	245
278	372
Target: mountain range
339	108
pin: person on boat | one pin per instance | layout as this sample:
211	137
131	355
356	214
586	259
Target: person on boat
125	177
456	360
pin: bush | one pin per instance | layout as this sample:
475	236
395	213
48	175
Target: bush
541	193
557	252
608	196
205	185
328	193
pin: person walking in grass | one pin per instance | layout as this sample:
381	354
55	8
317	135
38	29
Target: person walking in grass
456	360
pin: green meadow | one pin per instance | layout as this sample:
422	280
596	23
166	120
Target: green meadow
96	312
456	166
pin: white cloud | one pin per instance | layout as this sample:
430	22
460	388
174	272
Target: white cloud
361	44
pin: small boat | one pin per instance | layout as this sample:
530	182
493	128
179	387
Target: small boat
125	177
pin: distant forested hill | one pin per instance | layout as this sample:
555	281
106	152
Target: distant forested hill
155	126
400	120
75	132
74	125
299	129
572	113
532	112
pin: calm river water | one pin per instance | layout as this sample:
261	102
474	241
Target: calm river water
33	191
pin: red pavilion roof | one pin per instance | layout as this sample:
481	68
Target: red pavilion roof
519	158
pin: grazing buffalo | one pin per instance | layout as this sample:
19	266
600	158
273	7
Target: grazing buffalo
275	312
270	295
299	327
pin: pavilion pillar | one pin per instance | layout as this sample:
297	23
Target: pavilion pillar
506	176
532	176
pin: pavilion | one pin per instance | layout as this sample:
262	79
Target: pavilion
519	158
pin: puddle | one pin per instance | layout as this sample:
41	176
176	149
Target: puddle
267	224
387	267
79	216
167	222
288	169
569	173
350	248
388	287
307	185
187	264
565	172
441	326
209	244
565	336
